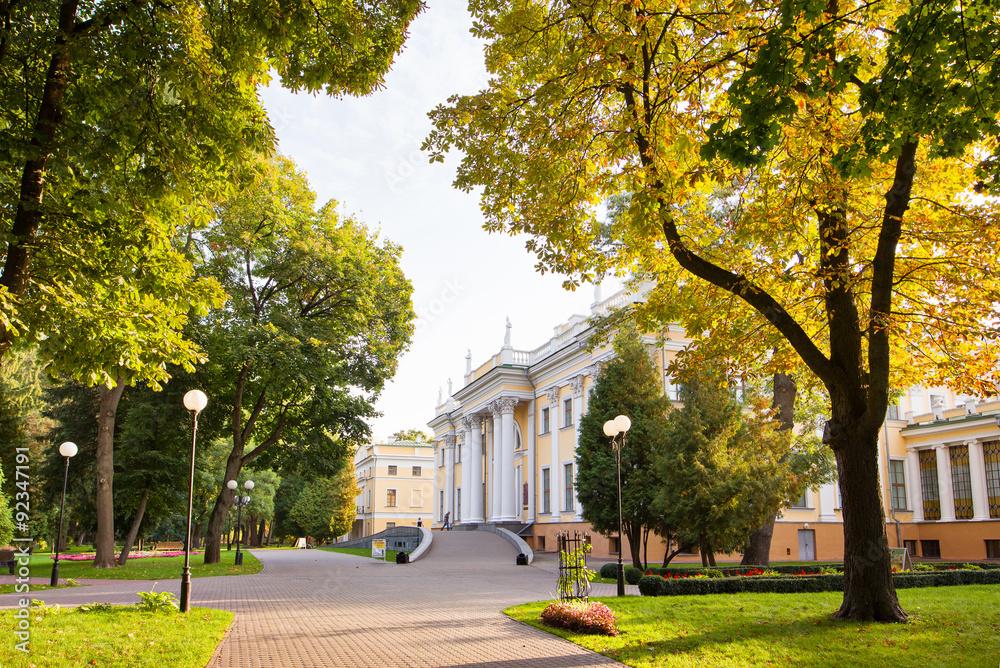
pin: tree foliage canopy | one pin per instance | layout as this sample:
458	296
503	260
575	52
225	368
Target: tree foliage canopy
326	507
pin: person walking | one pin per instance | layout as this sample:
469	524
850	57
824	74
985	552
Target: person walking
420	522
447	522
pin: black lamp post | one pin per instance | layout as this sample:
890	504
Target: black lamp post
620	425
67	450
195	401
240	503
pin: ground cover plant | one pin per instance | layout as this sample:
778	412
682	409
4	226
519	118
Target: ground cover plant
117	637
155	568
954	627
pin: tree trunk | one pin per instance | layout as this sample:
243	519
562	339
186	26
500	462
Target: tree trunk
223	502
134	531
758	552
260	534
105	547
634	546
869	592
270	532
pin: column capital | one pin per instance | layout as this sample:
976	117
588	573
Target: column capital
469	422
506	404
941	446
448	441
972	442
577	384
553	394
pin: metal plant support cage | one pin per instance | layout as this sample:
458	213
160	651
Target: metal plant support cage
574	585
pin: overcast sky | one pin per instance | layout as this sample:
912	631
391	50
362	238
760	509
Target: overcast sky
365	153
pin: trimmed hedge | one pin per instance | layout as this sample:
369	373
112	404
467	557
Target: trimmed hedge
609	571
804	583
632	575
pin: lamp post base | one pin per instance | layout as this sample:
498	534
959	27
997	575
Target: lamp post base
239	558
185	604
55	574
621	578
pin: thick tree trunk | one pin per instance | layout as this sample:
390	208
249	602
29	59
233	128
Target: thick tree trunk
634	546
260	534
869	592
105	547
758	552
270	532
134	531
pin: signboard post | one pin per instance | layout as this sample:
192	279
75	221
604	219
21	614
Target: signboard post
378	549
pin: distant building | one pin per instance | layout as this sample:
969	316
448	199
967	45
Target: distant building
505	453
397	485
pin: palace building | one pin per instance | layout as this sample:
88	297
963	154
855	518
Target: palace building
505	454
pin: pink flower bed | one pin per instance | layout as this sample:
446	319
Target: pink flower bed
132	555
581	617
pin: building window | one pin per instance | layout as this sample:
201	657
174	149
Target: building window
568	413
441	507
390	525
546	491
416	471
545	420
930	549
897	480
892	413
392	470
390	498
458	454
993	549
416	498
614	545
937	402
568	472
838	498
458	505
929	484
961	482
911	547
802	501
442	456
991	453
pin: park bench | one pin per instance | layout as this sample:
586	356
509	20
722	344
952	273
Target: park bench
169	546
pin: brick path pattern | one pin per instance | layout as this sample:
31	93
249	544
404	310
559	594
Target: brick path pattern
312	608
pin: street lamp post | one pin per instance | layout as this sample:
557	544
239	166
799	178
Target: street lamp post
620	425
240	503
195	401
67	450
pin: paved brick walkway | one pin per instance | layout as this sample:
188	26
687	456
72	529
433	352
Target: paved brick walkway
313	608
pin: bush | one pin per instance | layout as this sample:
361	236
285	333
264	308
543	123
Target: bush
649	585
632	575
609	571
593	617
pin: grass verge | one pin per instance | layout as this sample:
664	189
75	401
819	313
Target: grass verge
11	588
153	568
390	555
125	637
954	627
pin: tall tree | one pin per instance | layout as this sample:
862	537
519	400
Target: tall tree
722	473
326	507
319	311
627	385
409	435
818	116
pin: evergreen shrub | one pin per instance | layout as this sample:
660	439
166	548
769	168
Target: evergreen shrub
632	575
609	571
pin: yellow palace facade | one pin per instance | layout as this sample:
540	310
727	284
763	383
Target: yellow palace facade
505	454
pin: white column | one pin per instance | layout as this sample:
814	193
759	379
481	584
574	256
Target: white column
945	490
530	471
577	384
467	469
977	473
476	475
508	485
555	469
828	502
448	443
913	473
496	472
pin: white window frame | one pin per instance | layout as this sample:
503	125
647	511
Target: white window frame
569	486
395	498
546	472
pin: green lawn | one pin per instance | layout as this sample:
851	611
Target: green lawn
11	588
951	627
153	568
390	555
123	638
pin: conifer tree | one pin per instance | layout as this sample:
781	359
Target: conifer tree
628	385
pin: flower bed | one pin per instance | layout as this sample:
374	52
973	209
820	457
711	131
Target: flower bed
131	555
589	617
